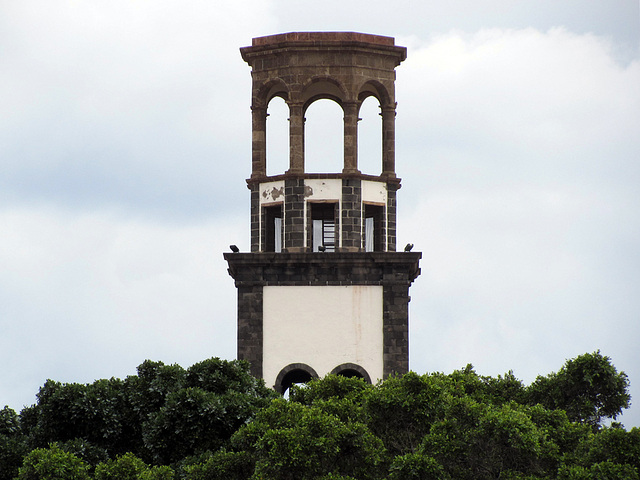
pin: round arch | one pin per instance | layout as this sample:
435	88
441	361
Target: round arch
321	96
322	86
293	373
275	87
376	89
351	370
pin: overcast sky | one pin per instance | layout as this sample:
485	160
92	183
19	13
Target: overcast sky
125	137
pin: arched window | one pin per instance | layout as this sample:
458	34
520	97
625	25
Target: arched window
294	373
277	136
370	137
324	137
351	370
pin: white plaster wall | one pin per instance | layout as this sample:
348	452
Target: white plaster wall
374	192
322	326
324	189
271	192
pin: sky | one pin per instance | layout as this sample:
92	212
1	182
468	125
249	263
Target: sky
125	142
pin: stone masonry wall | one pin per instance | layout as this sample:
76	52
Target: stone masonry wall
255	218
250	327
391	217
294	215
394	271
351	214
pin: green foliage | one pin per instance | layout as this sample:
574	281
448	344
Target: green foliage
12	451
13	445
148	390
130	467
93	412
124	467
289	440
222	465
402	409
331	387
340	396
158	472
482	441
162	415
191	421
220	376
9	422
215	421
53	463
588	388
598	471
219	397
335	476
609	444
415	466
85	450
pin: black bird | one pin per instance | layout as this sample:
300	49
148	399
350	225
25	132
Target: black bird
321	248
234	249
408	247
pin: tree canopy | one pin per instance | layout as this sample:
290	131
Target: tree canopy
215	421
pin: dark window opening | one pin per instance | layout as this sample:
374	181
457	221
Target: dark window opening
294	377
293	374
323	217
373	228
351	370
273	228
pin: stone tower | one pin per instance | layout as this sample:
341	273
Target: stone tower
323	289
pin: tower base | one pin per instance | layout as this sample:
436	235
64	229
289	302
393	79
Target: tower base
304	315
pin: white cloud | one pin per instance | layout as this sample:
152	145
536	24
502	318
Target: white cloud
125	141
126	103
525	203
92	295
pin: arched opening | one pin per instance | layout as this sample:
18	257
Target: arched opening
351	370
370	137
324	137
295	377
277	136
293	374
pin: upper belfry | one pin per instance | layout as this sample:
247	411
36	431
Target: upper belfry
302	67
343	211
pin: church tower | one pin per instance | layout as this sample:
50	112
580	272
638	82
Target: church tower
323	289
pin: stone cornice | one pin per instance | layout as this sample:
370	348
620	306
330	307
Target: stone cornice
335	268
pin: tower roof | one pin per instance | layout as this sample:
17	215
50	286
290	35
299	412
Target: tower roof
324	39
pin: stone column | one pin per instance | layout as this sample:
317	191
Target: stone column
294	233
259	142
389	140
255	217
296	138
350	137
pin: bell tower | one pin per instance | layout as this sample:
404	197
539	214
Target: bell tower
323	289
